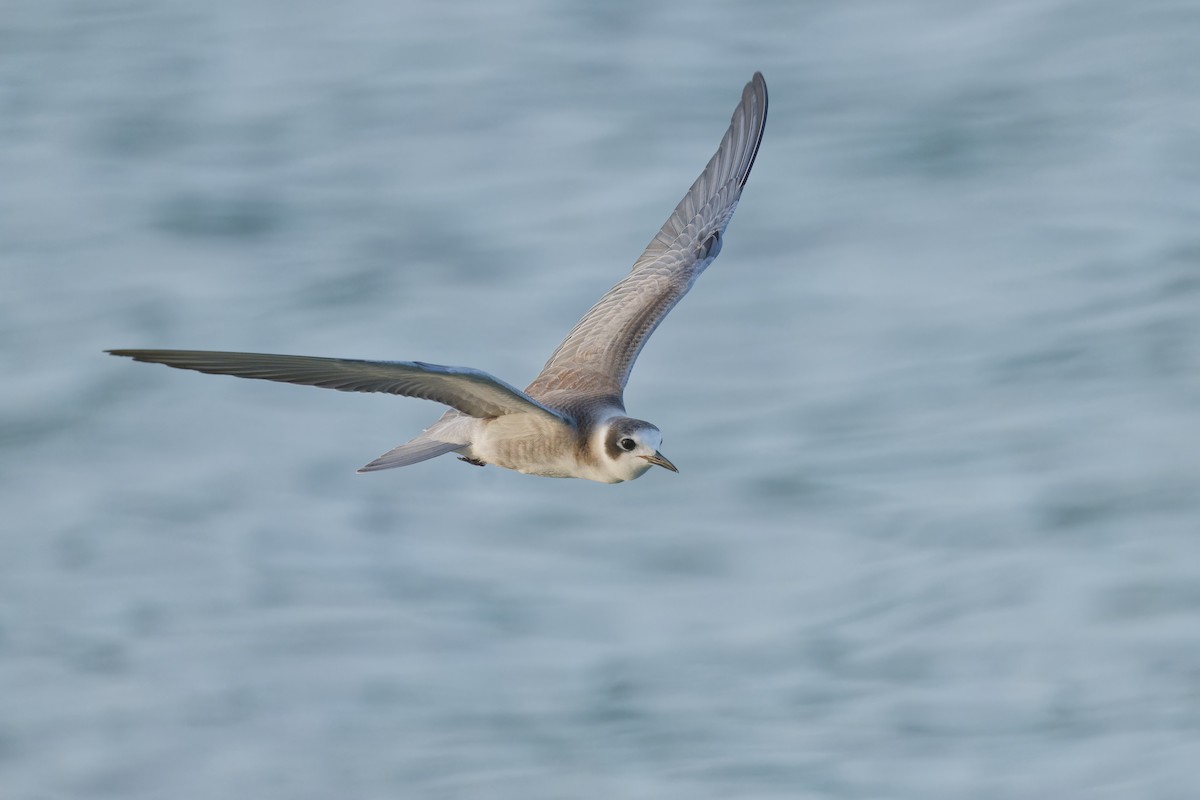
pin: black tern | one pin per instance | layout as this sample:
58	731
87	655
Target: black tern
570	422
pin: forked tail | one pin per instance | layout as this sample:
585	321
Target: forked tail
419	449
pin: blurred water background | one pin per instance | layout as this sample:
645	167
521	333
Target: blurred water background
936	406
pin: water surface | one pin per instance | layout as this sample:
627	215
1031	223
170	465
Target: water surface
936	406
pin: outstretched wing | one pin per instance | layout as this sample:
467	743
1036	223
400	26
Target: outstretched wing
471	391
598	353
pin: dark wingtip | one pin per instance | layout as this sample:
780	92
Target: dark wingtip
756	86
136	355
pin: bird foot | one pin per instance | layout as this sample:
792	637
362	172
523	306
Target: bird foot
474	461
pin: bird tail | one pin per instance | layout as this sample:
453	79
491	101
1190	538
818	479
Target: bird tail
419	449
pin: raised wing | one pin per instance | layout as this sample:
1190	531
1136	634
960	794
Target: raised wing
596	356
470	391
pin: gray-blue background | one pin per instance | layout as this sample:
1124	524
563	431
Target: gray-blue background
936	407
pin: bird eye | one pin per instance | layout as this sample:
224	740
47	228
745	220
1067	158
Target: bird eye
627	444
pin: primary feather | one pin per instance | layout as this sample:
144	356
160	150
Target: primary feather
598	354
471	391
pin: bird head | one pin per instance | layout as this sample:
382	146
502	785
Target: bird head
630	447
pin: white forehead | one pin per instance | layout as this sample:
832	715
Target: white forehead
646	435
651	436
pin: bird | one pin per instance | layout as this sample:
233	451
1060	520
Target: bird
570	422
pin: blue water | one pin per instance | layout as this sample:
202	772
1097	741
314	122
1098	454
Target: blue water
936	407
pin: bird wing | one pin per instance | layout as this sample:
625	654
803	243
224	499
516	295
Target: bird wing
596	356
470	391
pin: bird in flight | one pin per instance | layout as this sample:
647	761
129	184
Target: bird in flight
570	422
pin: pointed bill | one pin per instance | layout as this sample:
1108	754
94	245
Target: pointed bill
659	460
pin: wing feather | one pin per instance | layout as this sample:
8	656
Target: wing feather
597	355
470	391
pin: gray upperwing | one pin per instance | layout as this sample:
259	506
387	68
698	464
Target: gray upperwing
597	355
470	391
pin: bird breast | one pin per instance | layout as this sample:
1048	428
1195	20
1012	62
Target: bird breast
531	444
